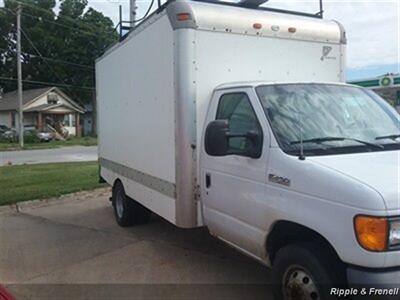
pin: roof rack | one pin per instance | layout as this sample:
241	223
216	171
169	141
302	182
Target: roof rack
255	4
251	4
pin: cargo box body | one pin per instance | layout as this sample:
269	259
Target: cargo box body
153	90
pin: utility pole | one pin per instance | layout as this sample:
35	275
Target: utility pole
132	12
19	68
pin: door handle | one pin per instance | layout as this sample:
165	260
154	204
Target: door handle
208	180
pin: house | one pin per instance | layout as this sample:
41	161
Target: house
41	107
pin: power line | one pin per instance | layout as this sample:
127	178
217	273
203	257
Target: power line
48	83
55	60
41	56
62	62
92	29
52	59
57	24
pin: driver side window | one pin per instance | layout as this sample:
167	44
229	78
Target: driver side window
237	109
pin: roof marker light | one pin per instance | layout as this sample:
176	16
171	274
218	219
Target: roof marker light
183	17
257	25
292	29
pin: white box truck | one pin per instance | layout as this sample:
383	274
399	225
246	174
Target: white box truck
238	119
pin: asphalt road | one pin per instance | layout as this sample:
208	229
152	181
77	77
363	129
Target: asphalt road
73	249
65	154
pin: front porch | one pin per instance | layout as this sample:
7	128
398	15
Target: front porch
70	121
55	116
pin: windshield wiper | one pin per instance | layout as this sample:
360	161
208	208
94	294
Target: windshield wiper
392	137
332	138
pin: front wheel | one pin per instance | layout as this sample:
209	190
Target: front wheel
127	211
306	272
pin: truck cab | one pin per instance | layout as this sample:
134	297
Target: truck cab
304	177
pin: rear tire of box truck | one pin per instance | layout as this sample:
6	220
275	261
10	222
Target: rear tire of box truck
306	271
127	211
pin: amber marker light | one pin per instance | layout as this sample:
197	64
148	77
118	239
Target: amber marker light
372	232
183	17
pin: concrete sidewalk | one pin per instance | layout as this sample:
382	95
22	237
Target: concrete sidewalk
77	242
64	154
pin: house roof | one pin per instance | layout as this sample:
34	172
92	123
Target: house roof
9	101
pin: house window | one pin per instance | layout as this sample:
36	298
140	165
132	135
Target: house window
52	98
66	120
73	120
69	120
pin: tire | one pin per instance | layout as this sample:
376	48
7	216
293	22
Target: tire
127	211
306	271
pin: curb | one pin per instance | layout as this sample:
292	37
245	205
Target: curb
38	203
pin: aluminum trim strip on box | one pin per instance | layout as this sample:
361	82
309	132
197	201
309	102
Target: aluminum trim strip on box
162	186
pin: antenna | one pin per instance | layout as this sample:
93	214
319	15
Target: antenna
301	156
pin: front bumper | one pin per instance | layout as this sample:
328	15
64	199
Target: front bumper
374	277
377	283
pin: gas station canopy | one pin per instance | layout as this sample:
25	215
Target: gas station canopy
388	86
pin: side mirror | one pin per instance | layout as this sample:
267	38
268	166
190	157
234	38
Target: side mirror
256	140
216	138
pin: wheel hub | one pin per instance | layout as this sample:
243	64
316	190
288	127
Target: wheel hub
299	285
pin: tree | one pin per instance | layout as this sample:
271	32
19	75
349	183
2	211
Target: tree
77	35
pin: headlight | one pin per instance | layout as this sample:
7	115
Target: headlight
377	233
394	233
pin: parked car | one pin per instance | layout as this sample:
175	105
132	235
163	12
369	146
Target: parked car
29	127
45	136
10	134
3	128
29	134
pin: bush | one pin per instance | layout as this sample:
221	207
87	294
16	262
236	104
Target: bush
4	139
31	137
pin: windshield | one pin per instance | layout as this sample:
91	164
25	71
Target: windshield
329	119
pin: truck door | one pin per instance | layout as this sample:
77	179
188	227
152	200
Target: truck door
233	185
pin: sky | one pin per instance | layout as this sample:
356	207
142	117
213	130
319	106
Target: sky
372	28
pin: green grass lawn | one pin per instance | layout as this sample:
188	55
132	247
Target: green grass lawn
83	141
27	182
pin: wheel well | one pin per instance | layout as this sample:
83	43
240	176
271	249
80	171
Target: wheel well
285	233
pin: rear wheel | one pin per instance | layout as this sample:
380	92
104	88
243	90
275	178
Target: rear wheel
127	211
306	272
